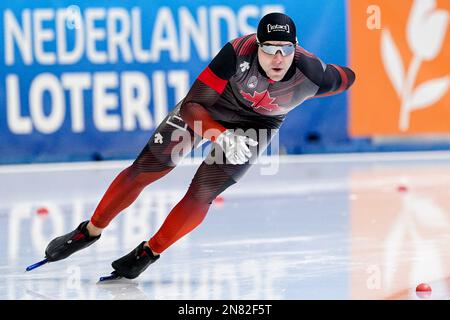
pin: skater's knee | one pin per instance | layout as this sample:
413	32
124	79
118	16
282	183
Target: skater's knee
151	161
207	191
144	178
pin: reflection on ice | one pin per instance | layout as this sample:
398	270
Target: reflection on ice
316	230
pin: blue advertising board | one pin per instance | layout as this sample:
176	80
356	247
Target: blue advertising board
82	80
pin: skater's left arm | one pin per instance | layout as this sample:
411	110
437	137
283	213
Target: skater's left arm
330	78
336	79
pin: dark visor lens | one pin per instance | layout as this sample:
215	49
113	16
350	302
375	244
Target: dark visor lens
271	49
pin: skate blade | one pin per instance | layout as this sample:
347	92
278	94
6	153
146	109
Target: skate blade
36	265
112	276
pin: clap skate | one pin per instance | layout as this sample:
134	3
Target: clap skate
63	246
133	264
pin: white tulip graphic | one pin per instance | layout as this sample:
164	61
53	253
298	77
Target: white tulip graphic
426	29
426	32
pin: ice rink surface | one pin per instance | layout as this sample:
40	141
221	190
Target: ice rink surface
367	226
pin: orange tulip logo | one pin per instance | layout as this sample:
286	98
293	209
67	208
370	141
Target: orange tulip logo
403	69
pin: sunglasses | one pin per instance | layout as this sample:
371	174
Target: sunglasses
285	50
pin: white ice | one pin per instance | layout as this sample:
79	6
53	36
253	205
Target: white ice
368	226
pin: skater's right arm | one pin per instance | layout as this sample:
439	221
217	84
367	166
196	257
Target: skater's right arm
205	91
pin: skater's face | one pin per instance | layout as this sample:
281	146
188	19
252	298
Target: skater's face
275	58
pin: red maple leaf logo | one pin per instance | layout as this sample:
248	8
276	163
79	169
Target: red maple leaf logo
261	100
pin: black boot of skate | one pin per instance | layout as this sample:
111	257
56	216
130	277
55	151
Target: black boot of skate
62	247
133	264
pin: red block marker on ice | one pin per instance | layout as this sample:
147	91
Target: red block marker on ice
218	201
423	291
42	211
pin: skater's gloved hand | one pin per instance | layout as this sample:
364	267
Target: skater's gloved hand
235	146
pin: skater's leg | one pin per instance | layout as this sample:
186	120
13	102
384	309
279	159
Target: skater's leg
207	184
212	178
122	192
154	162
